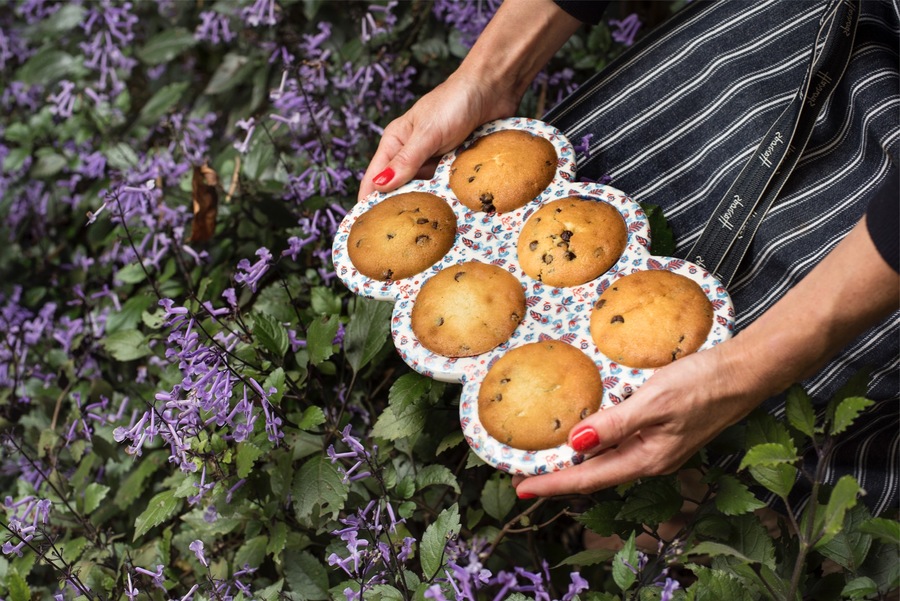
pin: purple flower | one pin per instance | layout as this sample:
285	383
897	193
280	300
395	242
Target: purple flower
213	28
63	101
248	125
669	589
262	12
626	29
197	548
250	275
156	576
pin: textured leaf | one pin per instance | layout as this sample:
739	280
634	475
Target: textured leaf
166	45
306	577
662	239
270	334
232	71
160	508
588	558
849	547
121	156
367	332
247	454
133	485
320	338
651	502
93	495
843	497
846	412
432	475
733	498
130	315
65	19
318	490
768	454
716	585
17	587
126	345
601	518
622	574
714	549
882	529
431	550
277	538
498	496
47	66
779	479
799	410
408	409
749	537
252	552
859	588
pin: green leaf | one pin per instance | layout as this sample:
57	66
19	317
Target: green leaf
312	417
126	345
768	454
275	380
733	498
843	497
450	441
882	529
762	427
270	593
859	588
846	412
799	410
435	475
882	565
93	495
588	558
408	408
47	66
623	575
133	273
318	490
306	577
750	538
130	315
247	454
367	332
431	550
48	164
714	549
651	502
161	102
384	592
17	587
498	496
65	19
277	539
601	518
325	301
270	334
779	479
252	552
160	508
662	239
320	338
716	585
166	45
121	156
133	485
232	71
849	547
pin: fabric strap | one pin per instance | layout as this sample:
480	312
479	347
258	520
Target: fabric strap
728	233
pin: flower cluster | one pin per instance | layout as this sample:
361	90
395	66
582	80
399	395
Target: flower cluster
26	516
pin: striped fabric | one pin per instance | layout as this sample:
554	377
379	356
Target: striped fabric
674	120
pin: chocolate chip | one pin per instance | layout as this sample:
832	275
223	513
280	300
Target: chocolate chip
440	321
435	225
547	163
423	239
585	413
515	317
477	168
458	275
569	255
600	303
388	274
532	245
681	339
471	179
616	289
557	424
566	235
558	210
562	244
497	397
390	236
487	200
617	319
421	221
504	381
358	242
547	258
488	208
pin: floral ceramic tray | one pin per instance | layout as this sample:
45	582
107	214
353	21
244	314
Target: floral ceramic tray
554	313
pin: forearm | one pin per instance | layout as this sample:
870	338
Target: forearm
850	290
517	43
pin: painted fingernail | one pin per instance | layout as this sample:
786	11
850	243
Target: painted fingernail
383	177
584	439
526	495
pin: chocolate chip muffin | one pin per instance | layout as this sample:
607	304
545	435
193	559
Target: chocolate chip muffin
401	236
467	309
571	241
534	394
503	171
651	318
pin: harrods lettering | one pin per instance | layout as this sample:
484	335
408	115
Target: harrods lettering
725	218
824	80
764	156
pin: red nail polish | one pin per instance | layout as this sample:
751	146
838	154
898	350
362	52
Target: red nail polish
584	439
383	177
526	495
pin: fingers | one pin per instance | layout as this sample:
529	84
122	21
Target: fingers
611	426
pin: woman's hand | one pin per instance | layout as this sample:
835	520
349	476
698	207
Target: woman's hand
437	123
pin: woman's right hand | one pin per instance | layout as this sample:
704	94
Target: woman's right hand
438	122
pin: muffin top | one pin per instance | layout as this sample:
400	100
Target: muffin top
401	236
467	309
534	394
571	241
651	318
503	171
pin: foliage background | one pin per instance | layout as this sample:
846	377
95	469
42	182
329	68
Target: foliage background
192	406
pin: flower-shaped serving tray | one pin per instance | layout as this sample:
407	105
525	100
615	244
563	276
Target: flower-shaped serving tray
551	312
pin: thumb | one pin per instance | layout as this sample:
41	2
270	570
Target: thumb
610	426
405	162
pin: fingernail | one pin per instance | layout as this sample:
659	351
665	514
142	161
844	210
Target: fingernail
526	495
383	177
584	439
